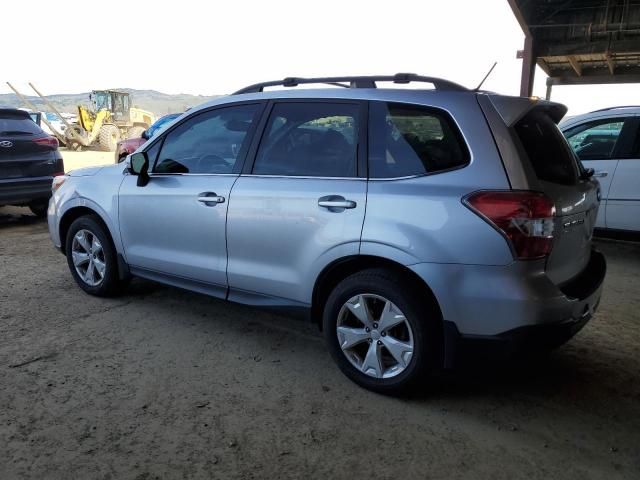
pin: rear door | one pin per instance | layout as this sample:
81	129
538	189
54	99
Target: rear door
623	203
576	197
25	150
301	204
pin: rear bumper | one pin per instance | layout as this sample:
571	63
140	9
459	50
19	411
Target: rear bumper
583	298
496	310
22	191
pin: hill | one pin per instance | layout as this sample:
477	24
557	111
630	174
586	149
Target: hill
157	102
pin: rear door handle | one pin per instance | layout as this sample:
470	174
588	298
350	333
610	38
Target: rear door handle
210	199
600	174
336	202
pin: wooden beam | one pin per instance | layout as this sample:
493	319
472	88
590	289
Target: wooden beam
575	64
609	60
542	63
595	79
520	17
528	68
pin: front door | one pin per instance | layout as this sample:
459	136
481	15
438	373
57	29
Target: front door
176	224
623	204
596	144
302	204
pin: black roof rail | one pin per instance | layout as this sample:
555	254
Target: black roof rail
356	82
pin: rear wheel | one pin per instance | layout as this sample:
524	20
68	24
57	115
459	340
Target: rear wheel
92	257
382	331
109	137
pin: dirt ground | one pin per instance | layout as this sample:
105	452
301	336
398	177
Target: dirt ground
162	383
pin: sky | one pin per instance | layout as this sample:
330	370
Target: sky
208	48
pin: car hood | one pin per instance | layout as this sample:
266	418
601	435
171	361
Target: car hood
84	172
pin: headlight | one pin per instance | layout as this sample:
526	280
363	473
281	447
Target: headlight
58	181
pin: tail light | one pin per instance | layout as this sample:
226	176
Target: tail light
524	218
51	142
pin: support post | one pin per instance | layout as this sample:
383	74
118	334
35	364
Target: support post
528	68
549	87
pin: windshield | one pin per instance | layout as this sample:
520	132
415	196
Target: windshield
103	100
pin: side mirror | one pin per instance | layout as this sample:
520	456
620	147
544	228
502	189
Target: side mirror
139	166
145	135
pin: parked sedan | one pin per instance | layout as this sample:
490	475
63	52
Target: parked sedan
608	141
130	145
29	159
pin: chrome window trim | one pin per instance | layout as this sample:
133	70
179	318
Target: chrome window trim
157	174
309	177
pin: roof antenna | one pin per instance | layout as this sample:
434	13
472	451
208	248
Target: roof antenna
486	76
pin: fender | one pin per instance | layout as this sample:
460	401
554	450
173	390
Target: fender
106	218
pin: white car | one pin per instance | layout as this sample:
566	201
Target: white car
608	141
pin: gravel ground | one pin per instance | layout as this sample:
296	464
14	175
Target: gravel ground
162	383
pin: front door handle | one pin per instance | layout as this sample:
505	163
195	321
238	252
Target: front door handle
336	203
210	199
600	174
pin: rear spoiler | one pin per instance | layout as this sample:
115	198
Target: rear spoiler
512	109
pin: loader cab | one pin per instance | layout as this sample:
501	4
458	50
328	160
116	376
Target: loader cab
113	101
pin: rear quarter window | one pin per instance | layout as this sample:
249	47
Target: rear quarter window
548	152
407	140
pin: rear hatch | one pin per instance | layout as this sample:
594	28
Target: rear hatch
25	149
553	169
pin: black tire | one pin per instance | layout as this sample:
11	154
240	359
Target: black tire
135	132
422	316
39	208
109	137
111	284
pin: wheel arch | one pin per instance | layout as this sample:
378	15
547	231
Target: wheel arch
343	267
73	214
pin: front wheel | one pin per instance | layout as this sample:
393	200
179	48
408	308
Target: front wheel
382	331
108	137
92	257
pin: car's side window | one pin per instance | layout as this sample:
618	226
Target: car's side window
152	152
407	140
309	139
208	142
595	140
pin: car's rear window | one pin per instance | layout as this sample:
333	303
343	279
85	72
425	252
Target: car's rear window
16	125
548	151
407	140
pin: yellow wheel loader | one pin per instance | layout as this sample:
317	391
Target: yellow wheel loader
110	119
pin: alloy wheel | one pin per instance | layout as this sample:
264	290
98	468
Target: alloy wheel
375	335
88	257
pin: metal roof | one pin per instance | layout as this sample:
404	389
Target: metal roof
583	41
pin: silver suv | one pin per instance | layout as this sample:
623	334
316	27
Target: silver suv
408	224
